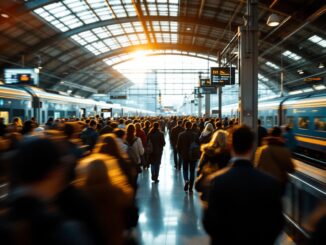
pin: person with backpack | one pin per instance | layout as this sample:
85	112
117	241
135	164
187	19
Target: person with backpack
156	137
189	149
89	135
135	147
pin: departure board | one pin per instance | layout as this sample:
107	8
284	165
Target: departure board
221	76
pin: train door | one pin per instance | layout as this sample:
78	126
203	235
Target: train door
106	113
82	112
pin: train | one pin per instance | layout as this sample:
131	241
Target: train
28	101
304	113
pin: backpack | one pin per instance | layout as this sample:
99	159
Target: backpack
131	152
194	151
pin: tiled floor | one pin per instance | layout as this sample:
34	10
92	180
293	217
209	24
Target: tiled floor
168	215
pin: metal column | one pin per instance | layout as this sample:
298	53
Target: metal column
199	104
248	67
220	102
207	105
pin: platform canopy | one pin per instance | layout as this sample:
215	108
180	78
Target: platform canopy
76	42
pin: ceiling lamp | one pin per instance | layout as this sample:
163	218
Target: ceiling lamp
273	20
321	66
3	15
300	71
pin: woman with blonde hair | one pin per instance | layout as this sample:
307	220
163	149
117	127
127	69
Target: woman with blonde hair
215	156
207	133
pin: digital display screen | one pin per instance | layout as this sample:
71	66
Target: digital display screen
221	76
21	76
208	90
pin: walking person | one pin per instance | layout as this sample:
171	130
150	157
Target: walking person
174	140
156	137
135	147
188	148
275	158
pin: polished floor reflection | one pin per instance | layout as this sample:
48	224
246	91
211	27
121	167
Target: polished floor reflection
168	215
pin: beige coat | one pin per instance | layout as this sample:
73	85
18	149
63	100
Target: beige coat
275	159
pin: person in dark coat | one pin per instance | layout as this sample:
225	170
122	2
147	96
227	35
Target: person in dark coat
244	204
262	133
157	139
174	140
184	142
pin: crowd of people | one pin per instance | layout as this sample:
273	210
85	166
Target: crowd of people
74	181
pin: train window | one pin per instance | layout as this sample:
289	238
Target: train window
262	121
50	113
269	121
303	122
71	114
290	121
320	123
29	114
19	113
5	116
275	120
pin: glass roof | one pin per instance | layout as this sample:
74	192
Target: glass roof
69	14
318	40
271	64
291	55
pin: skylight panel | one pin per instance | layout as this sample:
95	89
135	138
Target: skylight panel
123	40
130	10
174	37
112	43
152	9
174	26
291	55
318	40
270	64
262	78
119	11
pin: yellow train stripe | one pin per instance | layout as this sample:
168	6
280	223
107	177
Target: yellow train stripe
311	141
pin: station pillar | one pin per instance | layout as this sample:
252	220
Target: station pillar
199	105
248	67
207	105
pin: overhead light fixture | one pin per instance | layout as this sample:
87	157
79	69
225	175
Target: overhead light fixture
273	20
300	71
319	87
188	29
5	15
321	66
62	82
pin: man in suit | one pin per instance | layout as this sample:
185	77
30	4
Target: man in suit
174	140
244	204
188	165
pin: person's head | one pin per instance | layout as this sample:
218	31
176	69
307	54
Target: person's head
209	127
219	139
28	127
50	120
68	130
40	162
179	123
96	173
156	125
243	139
114	125
18	121
147	124
107	144
188	125
194	126
275	132
2	120
218	124
120	133
121	121
93	124
131	132
138	126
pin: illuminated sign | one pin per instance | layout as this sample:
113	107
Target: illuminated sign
118	97
205	82
207	90
21	76
313	79
221	76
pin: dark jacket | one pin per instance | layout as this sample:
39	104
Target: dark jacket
89	137
184	141
175	134
244	206
261	133
158	142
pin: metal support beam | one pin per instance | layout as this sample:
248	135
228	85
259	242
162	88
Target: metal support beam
248	67
207	105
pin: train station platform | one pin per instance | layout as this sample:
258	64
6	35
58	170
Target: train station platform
168	215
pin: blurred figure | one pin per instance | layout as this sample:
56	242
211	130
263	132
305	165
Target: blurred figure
121	124
215	156
184	145
135	147
274	158
207	133
28	131
34	185
3	127
121	137
141	134
162	124
107	129
175	132
17	125
147	127
244	204
89	135
262	133
49	123
157	139
290	140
